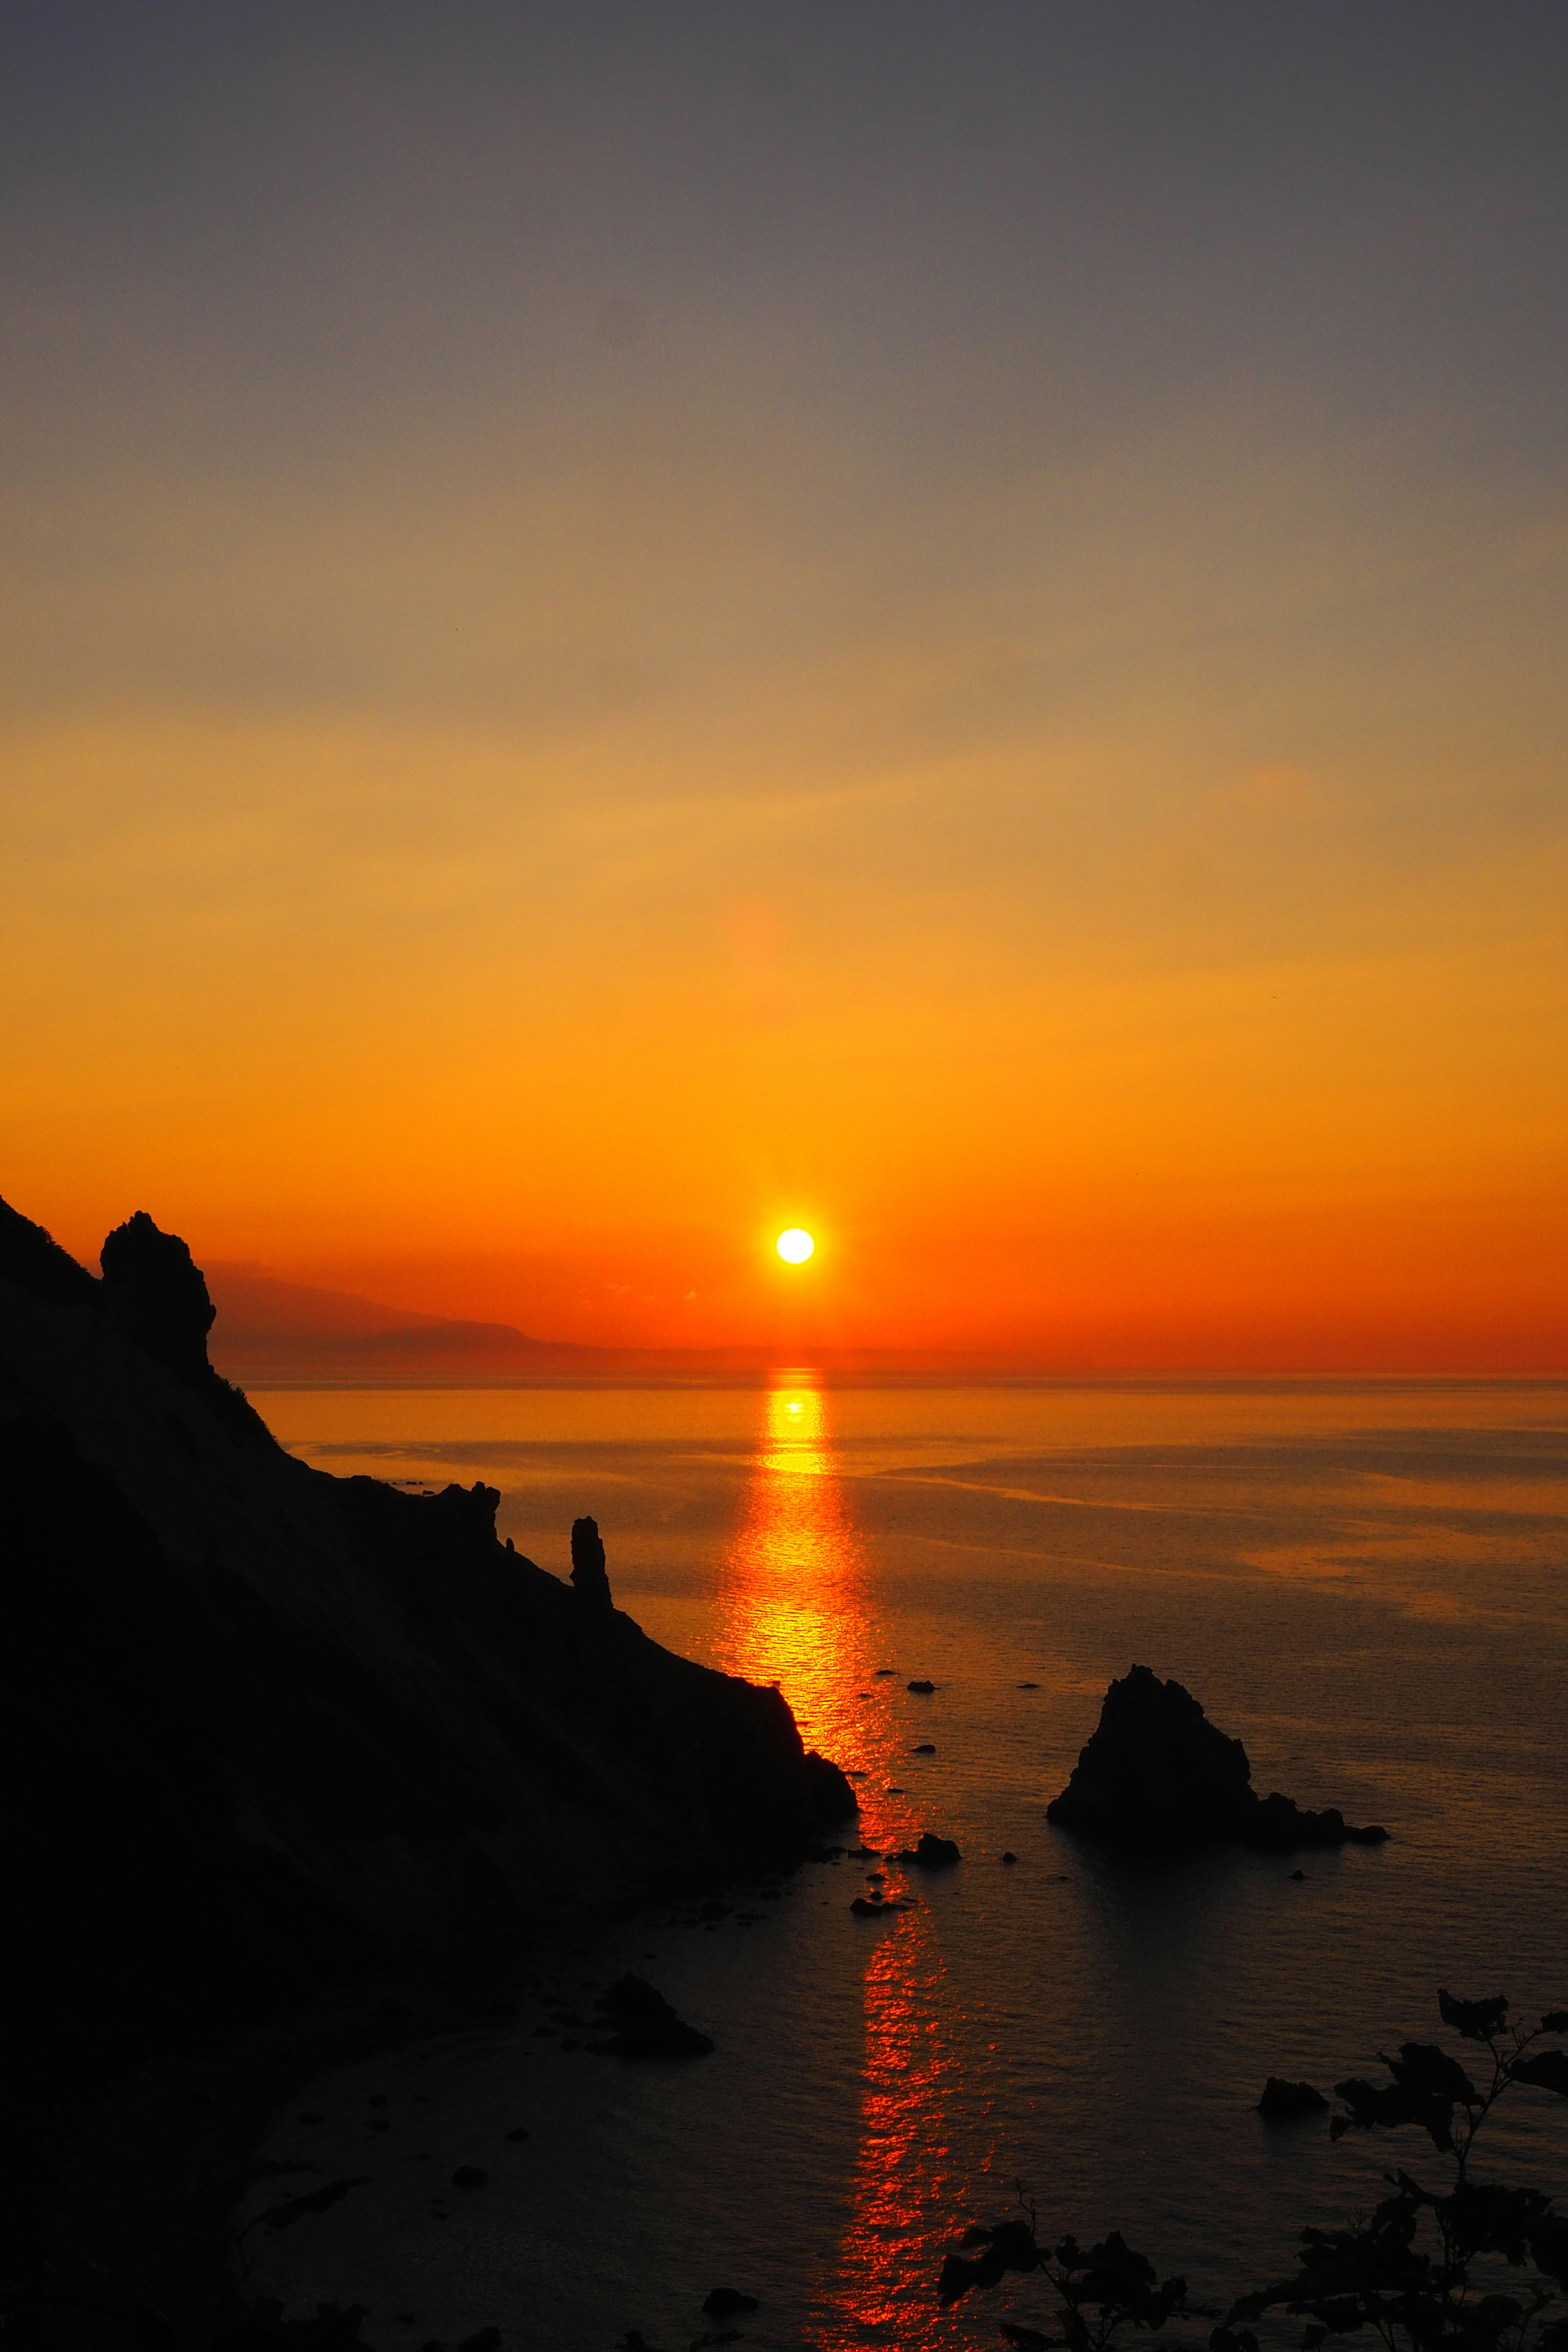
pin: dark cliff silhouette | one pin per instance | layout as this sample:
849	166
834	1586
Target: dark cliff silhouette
273	1733
1157	1772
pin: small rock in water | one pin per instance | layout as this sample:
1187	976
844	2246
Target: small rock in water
1009	1857
1028	1686
923	1687
725	2301
469	2176
1299	1875
521	2133
1283	2100
926	1748
882	1672
647	2025
933	1851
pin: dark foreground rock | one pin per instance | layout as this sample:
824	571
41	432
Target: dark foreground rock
1158	1772
1282	2102
646	2026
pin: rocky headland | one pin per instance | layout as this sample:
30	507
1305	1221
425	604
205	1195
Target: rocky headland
279	1740
1156	1772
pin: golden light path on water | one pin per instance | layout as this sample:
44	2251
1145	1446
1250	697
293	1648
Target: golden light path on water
796	1612
794	1607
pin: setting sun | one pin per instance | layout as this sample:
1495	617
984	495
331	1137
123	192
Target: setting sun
795	1247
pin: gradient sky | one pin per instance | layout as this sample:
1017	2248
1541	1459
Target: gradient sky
623	627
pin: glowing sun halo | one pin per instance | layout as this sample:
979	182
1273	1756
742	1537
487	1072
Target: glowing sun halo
795	1247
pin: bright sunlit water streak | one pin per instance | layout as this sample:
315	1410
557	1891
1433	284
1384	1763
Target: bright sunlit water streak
1363	1581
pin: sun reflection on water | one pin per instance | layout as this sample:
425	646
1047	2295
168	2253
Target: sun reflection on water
797	1610
883	2292
794	1609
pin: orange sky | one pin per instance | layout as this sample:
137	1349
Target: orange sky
696	659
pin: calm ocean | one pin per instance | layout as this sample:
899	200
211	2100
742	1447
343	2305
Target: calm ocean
1366	1581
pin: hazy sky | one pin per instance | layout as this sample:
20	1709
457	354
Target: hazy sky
625	626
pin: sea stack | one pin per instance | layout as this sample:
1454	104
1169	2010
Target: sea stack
590	1577
1157	1772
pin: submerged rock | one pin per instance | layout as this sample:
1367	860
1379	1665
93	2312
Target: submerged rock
1156	1772
1281	2101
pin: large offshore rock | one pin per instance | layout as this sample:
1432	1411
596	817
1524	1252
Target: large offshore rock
1157	1772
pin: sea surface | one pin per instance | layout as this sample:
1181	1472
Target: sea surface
1366	1581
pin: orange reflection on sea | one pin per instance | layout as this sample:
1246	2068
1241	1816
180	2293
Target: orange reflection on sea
794	1609
883	2291
797	1611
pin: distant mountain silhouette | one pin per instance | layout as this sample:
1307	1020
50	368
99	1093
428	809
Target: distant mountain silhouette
267	1328
269	1331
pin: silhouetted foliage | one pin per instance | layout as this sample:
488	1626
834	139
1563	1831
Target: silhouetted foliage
1414	2270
